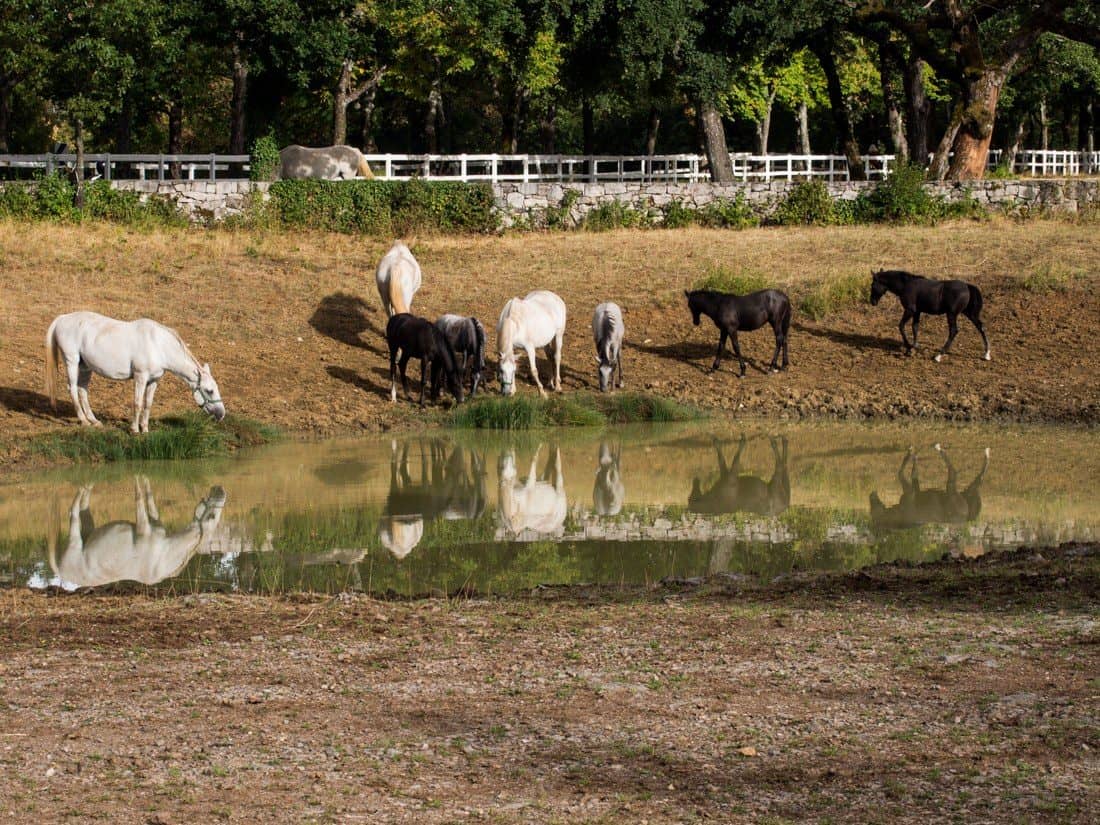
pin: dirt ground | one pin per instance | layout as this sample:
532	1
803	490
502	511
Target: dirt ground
959	691
294	330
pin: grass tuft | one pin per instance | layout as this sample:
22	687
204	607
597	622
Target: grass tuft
525	412
176	437
1048	278
833	295
739	281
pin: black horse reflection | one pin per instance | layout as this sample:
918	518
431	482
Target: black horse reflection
142	550
735	491
918	507
452	485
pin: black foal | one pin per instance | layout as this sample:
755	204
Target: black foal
743	313
925	295
417	337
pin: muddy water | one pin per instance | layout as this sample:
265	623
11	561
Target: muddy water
449	512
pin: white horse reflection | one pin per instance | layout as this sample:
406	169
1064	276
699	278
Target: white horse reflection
534	504
608	492
141	551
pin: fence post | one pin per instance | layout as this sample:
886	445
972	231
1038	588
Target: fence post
591	168
526	173
160	167
107	166
462	166
493	167
427	166
213	166
387	169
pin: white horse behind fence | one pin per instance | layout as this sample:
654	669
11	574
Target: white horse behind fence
398	278
86	343
536	320
324	162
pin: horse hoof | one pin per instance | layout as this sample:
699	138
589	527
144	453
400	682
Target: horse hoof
937	357
987	452
987	357
937	447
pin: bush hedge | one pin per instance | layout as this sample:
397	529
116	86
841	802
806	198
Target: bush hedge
53	197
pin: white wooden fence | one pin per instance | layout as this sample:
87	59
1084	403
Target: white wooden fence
534	168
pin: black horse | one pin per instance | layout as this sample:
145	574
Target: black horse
735	492
734	313
927	295
917	507
467	338
417	337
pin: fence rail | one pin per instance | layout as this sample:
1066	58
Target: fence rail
533	168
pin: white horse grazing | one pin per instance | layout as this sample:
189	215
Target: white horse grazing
536	320
141	551
539	506
142	350
324	162
607	331
398	279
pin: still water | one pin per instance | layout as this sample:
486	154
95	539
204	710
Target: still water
491	513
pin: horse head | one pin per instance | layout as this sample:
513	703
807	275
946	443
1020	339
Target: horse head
207	395
693	305
507	373
878	287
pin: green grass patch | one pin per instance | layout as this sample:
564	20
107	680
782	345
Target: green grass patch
525	412
1048	278
831	296
737	281
177	437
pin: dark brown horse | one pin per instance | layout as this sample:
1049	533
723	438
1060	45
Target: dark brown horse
743	313
925	295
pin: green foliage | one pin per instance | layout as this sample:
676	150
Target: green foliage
834	295
728	213
525	412
1048	278
677	216
807	203
736	281
384	207
264	160
51	197
615	215
902	198
177	437
559	217
54	197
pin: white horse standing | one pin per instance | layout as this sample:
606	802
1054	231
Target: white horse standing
536	320
142	350
142	550
398	279
607	331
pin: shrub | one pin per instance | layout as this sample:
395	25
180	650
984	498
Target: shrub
264	161
728	213
54	197
525	412
901	198
834	295
677	216
807	203
560	216
738	282
615	215
384	207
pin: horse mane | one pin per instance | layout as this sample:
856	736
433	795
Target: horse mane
606	332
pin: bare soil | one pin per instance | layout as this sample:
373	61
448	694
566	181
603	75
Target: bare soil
294	329
960	691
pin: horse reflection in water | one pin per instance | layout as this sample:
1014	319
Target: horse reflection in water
735	492
451	486
536	504
918	507
141	551
608	492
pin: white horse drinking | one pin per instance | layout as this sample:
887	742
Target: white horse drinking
141	551
531	504
142	350
607	332
398	279
536	320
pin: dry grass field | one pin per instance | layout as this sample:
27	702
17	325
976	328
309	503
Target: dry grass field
292	325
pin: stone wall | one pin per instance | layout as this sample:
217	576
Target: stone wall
528	202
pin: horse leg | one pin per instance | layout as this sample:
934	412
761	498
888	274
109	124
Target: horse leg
976	320
916	328
83	380
952	476
737	352
141	519
150	500
777	328
140	382
424	376
534	369
72	371
557	359
905	316
619	363
786	333
952	331
721	346
150	391
403	366
393	374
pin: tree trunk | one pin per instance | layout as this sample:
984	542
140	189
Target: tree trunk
975	131
718	155
237	105
886	62
841	114
340	100
937	169
588	126
175	134
804	129
764	125
367	132
1016	137
548	129
79	202
431	121
918	108
5	115
1086	134
513	117
1044	125
652	127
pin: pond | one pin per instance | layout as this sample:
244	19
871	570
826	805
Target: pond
449	512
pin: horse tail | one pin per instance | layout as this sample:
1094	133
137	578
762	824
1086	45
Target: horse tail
479	344
397	294
364	167
52	356
974	307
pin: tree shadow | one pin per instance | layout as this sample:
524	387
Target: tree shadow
852	339
343	317
31	403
